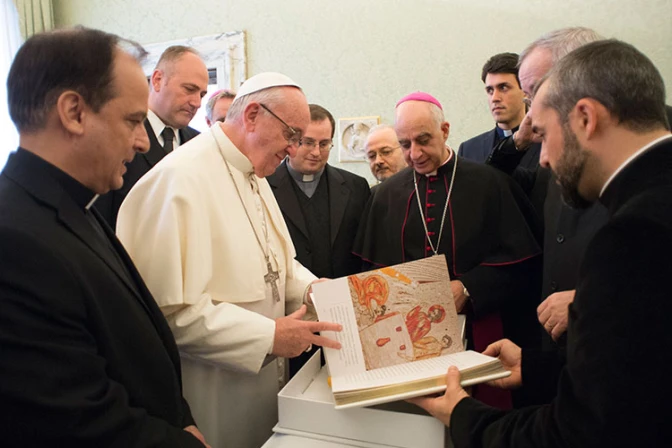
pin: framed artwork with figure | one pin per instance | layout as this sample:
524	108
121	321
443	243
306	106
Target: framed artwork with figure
352	134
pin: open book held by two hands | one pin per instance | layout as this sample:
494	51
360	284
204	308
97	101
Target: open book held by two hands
400	334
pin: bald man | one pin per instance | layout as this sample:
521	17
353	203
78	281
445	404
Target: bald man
177	85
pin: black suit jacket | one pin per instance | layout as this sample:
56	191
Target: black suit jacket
108	204
479	148
348	194
86	357
614	390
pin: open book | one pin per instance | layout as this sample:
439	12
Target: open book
400	334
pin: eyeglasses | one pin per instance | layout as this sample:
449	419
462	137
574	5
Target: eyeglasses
294	138
325	145
384	152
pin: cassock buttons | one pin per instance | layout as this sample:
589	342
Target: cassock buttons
560	238
554	286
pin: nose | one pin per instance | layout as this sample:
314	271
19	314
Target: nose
141	143
543	157
496	96
415	152
379	159
291	150
195	100
315	150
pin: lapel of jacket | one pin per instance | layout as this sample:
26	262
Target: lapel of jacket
50	193
156	151
187	134
489	143
284	192
338	199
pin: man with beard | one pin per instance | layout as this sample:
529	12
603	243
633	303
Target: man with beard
383	152
471	213
610	144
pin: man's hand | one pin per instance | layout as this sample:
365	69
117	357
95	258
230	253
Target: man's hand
293	335
511	357
554	311
442	407
524	136
196	433
457	288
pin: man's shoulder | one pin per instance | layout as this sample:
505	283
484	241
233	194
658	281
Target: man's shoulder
478	138
398	183
188	133
348	176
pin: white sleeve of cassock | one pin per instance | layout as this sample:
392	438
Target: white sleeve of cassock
163	225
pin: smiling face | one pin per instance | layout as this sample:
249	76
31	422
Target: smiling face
421	136
177	89
311	160
270	140
116	132
505	99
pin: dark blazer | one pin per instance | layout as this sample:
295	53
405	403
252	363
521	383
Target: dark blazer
614	390
108	204
86	357
348	194
479	148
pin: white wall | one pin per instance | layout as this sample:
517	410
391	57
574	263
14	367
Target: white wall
357	57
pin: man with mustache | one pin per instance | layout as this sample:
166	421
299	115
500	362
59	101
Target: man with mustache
384	152
506	103
609	144
177	85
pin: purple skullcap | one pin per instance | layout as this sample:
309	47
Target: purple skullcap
420	96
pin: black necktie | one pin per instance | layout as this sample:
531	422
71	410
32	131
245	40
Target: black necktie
168	136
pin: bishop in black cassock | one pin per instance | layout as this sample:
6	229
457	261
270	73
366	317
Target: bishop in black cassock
487	235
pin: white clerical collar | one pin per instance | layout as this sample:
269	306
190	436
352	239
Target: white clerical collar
158	126
304	178
450	156
630	160
230	152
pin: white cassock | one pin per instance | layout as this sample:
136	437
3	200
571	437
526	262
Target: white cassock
191	233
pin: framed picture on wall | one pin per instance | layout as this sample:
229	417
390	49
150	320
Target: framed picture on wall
352	134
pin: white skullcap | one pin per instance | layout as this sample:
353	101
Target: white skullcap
264	81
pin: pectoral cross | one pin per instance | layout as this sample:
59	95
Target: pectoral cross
271	278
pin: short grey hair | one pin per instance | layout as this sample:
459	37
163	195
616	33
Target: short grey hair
437	113
376	128
561	42
615	74
271	96
210	105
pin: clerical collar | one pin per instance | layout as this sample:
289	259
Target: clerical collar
631	159
502	133
230	153
158	126
450	156
301	178
83	197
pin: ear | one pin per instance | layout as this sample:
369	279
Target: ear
585	116
445	130
155	81
250	116
72	111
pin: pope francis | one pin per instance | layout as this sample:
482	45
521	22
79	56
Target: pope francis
206	233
